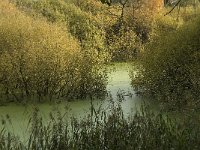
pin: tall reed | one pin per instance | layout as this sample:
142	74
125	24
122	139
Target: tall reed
106	129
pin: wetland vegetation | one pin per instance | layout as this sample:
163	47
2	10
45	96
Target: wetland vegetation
119	74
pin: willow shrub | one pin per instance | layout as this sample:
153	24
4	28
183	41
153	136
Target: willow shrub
170	66
133	27
124	44
91	6
42	59
83	25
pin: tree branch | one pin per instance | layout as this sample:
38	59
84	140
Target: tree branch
173	8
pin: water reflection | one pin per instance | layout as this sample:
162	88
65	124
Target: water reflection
119	82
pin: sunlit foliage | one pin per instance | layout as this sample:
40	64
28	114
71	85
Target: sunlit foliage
42	59
134	23
170	67
81	24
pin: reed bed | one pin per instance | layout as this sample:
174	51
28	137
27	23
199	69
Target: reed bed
106	129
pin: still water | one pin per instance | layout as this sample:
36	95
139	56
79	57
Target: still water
119	81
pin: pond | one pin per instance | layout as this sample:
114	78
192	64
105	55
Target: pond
119	81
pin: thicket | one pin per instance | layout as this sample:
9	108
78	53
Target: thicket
83	25
131	29
135	23
105	129
42	59
114	32
170	67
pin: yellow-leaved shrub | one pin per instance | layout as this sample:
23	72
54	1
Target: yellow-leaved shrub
38	58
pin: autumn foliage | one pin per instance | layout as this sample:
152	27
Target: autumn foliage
42	59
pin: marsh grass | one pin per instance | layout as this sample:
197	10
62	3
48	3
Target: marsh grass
105	128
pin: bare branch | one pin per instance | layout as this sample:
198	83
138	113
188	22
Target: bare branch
173	8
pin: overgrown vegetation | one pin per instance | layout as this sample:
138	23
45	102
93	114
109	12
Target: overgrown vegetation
82	25
58	49
131	30
42	59
170	67
106	129
111	31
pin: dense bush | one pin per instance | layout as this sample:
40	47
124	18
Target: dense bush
91	6
133	27
83	25
42	59
113	31
105	129
170	66
123	44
